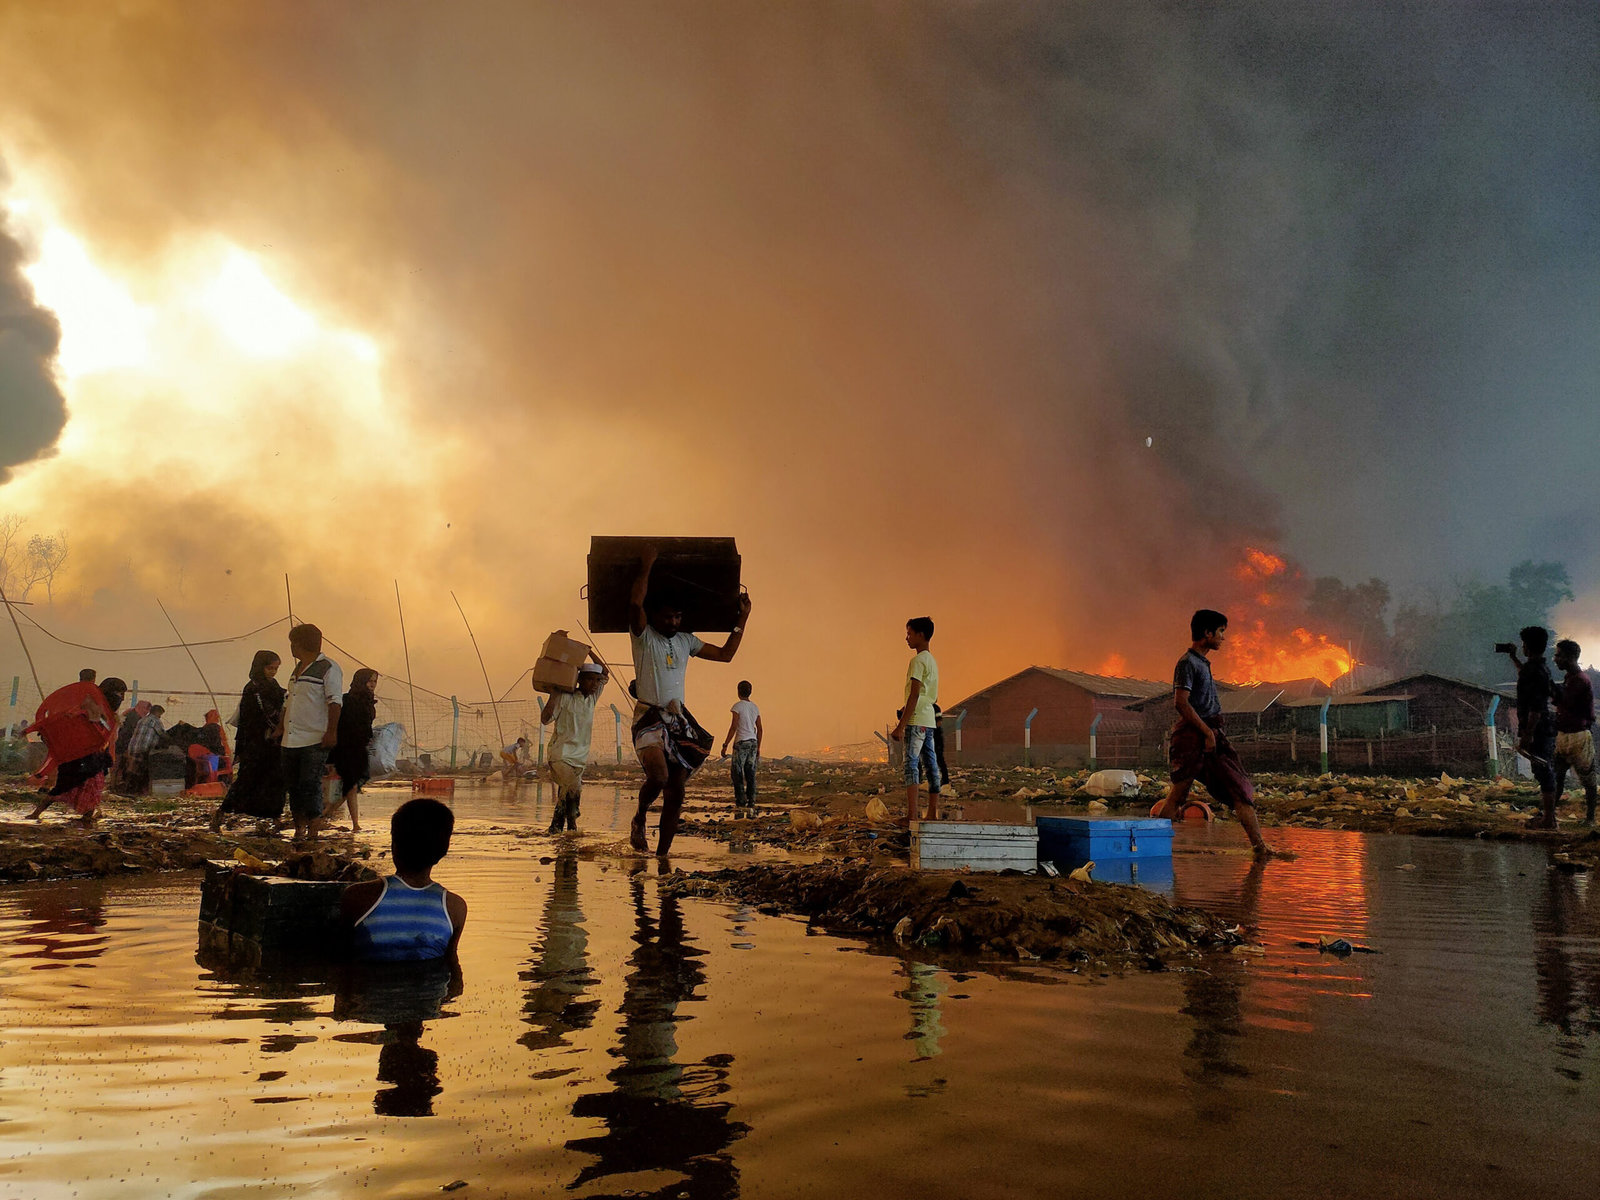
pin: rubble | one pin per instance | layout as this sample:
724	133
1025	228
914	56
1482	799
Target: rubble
1017	916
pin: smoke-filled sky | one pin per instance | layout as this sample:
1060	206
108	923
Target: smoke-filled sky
895	294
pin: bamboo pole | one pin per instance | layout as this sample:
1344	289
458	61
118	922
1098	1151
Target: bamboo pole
416	746
493	706
289	596
26	653
190	653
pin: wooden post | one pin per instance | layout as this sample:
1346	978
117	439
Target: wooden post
493	707
12	613
416	746
190	653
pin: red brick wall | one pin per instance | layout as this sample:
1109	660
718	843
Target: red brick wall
992	730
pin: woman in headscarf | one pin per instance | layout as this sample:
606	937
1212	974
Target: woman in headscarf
81	783
257	789
349	757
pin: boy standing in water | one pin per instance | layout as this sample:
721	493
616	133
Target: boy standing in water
917	720
1574	726
1200	750
745	733
408	917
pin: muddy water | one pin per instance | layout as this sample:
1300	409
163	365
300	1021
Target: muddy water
606	1040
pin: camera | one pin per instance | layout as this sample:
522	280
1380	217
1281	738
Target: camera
1505	648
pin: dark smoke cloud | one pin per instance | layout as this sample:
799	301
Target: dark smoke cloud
898	293
32	409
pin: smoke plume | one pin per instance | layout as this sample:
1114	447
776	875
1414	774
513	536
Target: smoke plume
33	407
1028	316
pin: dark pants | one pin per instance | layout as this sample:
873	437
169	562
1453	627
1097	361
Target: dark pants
744	772
302	771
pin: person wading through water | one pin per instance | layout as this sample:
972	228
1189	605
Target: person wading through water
670	744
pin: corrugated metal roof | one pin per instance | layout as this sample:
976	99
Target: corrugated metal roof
1344	701
1509	693
1110	686
1251	700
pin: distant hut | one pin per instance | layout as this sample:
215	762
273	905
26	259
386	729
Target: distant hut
992	729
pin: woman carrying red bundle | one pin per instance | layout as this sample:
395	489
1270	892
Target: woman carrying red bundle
86	732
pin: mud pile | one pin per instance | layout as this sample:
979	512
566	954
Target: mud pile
1017	916
29	851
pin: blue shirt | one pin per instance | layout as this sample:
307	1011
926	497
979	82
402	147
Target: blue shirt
407	924
1194	673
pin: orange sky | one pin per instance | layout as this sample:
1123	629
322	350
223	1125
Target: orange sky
366	292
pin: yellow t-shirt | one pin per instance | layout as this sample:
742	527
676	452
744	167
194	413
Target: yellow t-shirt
925	671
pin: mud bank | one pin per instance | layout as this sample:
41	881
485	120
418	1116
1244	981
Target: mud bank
29	851
1440	806
1017	916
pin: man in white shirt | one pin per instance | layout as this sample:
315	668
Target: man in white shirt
670	743
573	716
745	732
310	726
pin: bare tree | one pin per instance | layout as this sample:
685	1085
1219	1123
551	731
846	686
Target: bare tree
26	563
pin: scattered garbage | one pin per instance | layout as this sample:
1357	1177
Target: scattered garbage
1338	946
802	820
1113	783
877	811
1085	873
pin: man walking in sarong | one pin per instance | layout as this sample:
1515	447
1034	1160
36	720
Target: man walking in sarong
1199	749
670	743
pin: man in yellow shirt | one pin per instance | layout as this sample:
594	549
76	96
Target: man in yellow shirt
917	719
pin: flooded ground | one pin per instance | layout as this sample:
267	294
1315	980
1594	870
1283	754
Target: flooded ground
605	1039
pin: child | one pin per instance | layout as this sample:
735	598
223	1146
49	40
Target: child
745	733
408	917
1200	750
1574	726
917	722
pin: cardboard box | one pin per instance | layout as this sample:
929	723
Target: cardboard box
553	675
563	649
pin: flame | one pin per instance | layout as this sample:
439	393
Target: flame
1255	655
1114	665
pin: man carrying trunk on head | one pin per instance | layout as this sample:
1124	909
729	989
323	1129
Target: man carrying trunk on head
670	744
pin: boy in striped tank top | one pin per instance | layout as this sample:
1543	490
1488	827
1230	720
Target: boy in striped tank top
408	917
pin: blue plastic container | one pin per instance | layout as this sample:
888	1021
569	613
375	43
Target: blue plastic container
1152	874
1072	841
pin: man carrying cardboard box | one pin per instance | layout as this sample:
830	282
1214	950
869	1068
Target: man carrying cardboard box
670	743
572	714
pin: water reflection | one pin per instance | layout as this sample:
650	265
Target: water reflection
63	924
402	997
925	985
1566	924
560	971
661	1115
1212	999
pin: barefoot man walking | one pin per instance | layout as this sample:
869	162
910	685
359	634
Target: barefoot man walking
670	744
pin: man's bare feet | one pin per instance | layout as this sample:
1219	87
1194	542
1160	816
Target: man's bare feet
636	837
1263	852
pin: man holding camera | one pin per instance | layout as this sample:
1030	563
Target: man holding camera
1536	727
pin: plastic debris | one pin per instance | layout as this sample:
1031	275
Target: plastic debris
1085	873
247	860
877	811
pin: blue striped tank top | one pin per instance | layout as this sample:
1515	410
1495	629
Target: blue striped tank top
407	924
